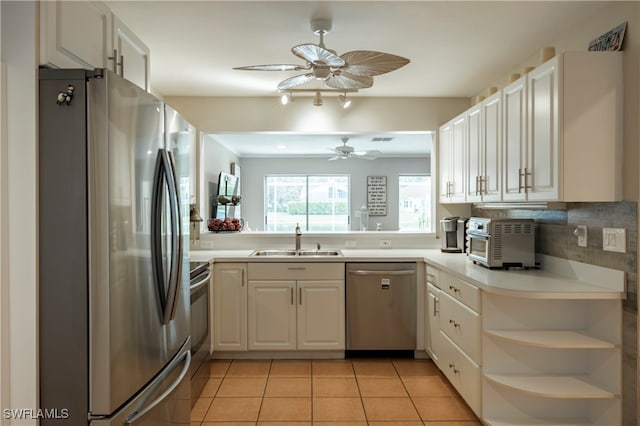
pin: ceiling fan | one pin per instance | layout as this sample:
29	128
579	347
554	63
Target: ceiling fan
345	151
351	70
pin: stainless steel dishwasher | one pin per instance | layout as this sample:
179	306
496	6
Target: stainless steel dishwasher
381	306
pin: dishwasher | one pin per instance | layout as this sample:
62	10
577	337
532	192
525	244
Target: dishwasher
381	307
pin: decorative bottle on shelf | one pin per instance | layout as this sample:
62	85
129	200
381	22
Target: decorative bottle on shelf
364	217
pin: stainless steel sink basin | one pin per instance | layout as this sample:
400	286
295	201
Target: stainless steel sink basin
276	252
319	253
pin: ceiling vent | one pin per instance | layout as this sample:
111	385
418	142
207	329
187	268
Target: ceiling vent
386	139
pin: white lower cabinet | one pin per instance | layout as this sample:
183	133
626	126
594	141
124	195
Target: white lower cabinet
452	312
229	307
294	306
551	361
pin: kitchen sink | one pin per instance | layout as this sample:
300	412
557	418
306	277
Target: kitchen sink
276	252
319	253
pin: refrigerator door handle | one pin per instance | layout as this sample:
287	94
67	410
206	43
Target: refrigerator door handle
139	413
176	230
164	175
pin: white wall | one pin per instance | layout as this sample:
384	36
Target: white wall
247	114
18	332
255	169
215	159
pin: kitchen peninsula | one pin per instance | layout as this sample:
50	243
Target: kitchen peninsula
516	344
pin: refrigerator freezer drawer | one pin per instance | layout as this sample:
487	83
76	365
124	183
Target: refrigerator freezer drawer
164	401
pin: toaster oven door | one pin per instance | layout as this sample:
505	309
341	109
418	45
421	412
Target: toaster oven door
478	248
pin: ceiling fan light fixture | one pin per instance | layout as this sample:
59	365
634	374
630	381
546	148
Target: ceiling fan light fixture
286	98
344	101
317	99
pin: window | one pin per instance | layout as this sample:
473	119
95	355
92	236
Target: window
414	210
316	202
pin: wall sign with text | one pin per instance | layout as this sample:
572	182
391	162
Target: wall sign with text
377	195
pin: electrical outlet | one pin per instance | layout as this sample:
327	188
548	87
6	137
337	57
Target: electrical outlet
581	233
385	243
614	239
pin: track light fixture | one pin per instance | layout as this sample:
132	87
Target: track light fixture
286	98
345	102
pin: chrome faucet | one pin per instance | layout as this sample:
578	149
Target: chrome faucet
298	237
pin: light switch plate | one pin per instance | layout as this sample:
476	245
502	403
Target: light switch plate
614	239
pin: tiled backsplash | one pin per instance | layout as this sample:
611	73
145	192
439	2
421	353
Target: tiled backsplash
555	237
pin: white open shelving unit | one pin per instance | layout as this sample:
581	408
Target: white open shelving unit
558	363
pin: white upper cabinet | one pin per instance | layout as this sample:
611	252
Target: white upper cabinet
491	128
132	54
514	100
452	149
85	34
563	130
75	34
555	134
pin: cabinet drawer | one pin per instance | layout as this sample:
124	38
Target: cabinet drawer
296	271
462	372
460	290
462	325
433	275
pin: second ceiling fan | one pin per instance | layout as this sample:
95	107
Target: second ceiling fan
345	151
349	71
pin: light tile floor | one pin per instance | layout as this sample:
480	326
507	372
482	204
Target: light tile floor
329	393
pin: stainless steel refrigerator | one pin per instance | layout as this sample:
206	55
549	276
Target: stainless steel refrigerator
113	255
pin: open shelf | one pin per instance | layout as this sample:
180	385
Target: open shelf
558	339
546	422
552	386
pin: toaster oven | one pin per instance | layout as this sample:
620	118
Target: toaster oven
501	243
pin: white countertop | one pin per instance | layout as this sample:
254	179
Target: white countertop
557	279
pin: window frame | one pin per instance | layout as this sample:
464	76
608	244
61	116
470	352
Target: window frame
305	225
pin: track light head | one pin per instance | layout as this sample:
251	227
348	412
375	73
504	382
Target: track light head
317	99
344	101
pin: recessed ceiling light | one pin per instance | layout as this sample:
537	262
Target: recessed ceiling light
281	146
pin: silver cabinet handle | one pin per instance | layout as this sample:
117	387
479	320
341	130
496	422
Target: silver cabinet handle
291	288
300	295
527	186
138	414
367	272
197	286
455	289
455	324
453	367
519	181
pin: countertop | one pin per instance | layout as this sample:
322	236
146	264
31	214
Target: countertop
556	279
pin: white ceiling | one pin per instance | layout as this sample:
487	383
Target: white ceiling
456	48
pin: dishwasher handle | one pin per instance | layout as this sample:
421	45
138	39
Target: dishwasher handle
369	272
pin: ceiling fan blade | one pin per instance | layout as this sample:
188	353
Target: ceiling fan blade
370	63
368	155
347	80
315	54
292	82
273	67
337	157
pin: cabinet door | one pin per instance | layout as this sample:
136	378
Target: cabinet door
432	316
514	99
230	307
445	155
492	137
475	155
75	34
321	323
272	315
459	144
543	136
133	55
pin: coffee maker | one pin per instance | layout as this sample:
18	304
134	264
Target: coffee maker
453	236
